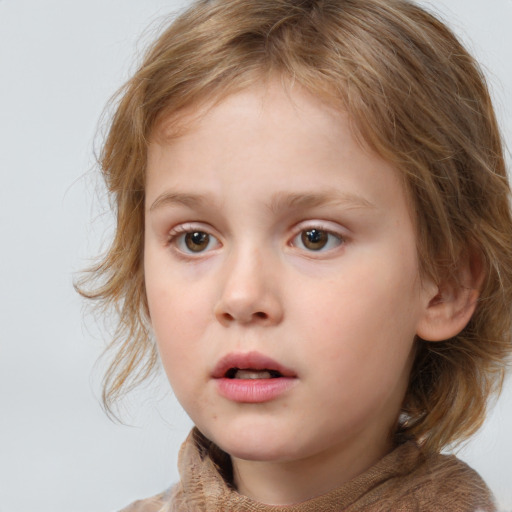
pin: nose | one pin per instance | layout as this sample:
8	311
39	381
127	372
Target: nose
249	292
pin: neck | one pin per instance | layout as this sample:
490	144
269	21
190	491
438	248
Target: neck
290	482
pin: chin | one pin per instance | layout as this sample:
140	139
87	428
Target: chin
258	433
257	445
259	453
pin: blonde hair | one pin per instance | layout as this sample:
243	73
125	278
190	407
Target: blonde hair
415	96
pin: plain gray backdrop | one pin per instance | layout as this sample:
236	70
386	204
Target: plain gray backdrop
60	61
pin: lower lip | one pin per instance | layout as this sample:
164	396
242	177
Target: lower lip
254	391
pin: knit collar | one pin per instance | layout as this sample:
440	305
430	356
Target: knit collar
203	489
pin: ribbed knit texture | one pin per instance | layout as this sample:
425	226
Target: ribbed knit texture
403	481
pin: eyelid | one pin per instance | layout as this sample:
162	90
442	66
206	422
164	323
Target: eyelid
324	225
329	227
174	235
185	227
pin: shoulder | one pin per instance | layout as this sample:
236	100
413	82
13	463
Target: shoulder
153	504
443	482
147	505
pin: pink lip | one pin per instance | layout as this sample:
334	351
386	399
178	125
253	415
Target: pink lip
252	390
249	361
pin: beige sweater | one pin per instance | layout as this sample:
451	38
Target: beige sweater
404	480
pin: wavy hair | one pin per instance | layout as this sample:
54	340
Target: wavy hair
415	96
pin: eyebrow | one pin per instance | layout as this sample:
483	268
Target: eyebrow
177	198
278	202
298	201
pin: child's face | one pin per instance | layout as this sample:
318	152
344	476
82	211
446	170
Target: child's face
271	232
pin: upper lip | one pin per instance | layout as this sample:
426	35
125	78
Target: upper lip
249	361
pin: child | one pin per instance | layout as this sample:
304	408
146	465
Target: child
314	232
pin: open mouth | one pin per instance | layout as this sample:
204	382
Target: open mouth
251	377
248	373
250	366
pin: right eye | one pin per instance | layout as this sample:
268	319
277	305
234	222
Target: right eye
194	241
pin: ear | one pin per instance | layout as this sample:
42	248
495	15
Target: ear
450	304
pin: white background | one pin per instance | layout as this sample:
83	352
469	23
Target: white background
59	63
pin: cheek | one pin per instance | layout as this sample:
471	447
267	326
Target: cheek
179	316
174	297
363	322
356	303
177	331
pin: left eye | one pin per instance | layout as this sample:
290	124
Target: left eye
315	239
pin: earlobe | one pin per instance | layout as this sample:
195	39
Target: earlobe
450	305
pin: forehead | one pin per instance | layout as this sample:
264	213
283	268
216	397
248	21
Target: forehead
276	113
269	137
253	94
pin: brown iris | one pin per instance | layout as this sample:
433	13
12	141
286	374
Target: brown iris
314	239
197	241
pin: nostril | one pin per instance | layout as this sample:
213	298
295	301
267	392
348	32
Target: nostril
227	317
258	316
244	314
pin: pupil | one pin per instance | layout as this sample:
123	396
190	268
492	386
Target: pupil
314	239
197	241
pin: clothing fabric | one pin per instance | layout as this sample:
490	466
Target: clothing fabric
403	481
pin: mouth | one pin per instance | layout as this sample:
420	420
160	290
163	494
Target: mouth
250	366
248	373
252	378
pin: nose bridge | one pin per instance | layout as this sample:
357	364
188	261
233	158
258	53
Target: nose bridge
249	290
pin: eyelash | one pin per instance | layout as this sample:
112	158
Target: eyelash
177	238
332	239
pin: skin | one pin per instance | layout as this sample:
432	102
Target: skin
254	172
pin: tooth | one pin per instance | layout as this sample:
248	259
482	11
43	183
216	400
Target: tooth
252	374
